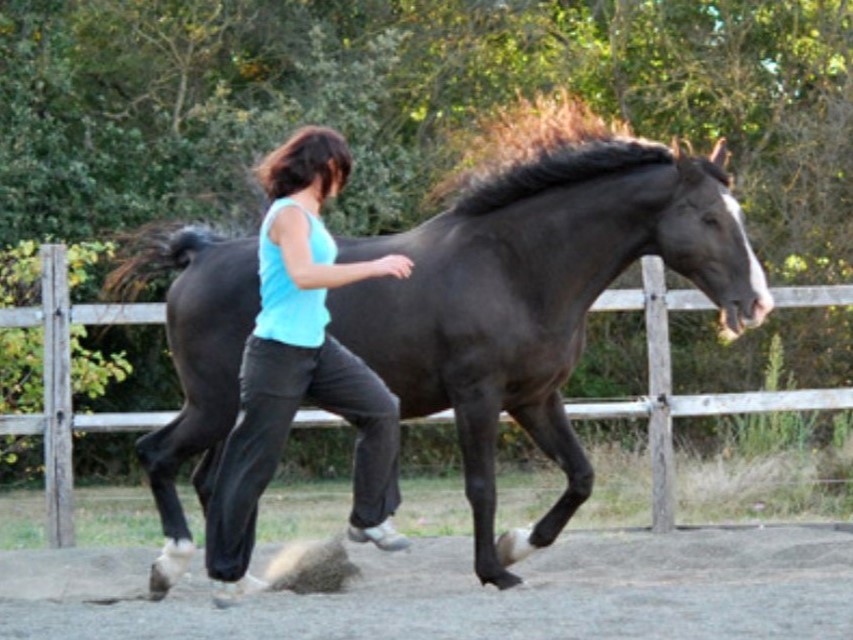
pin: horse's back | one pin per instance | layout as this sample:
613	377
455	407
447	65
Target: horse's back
394	325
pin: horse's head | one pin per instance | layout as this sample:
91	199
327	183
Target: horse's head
702	237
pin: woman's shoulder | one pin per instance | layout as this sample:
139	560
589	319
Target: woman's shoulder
289	217
281	203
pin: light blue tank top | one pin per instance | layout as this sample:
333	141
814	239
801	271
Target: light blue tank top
289	314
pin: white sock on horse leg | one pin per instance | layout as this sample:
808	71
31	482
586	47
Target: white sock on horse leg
514	546
175	559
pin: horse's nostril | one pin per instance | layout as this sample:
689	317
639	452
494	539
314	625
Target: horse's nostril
761	309
755	313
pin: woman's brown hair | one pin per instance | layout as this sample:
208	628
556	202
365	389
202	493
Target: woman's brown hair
310	152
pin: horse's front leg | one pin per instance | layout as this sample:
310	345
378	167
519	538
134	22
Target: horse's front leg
477	423
550	428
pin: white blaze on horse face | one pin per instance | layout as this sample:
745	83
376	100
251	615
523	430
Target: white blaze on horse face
757	278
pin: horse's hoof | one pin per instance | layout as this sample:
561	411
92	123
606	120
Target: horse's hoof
158	584
510	584
514	546
172	564
504	581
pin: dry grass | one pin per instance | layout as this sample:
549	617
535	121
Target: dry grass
777	488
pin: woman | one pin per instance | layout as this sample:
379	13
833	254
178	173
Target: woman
289	357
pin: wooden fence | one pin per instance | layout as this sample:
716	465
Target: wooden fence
58	421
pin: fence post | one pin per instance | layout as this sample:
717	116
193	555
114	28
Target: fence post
58	468
660	392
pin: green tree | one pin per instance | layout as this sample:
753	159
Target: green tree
120	113
66	173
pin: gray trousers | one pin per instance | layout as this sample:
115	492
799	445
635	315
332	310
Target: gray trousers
274	379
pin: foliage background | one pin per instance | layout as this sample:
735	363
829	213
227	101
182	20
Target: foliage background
117	114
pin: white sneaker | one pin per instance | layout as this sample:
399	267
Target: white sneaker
226	594
384	536
252	585
231	594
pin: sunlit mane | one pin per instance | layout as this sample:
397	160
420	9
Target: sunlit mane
534	145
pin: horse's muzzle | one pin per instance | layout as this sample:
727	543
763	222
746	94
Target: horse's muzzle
760	310
734	321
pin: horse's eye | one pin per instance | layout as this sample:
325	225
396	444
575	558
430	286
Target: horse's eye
711	220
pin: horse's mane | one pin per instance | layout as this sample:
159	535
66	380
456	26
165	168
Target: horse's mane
534	145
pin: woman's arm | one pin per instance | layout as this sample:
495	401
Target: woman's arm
290	231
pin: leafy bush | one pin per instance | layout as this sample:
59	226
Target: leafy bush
21	350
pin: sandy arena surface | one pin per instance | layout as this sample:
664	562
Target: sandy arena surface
787	582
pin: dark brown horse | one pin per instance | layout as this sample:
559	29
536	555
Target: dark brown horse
493	318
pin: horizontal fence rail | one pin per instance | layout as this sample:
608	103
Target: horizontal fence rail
660	406
611	300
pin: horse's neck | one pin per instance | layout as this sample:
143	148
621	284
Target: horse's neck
583	239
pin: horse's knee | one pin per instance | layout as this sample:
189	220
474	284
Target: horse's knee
581	484
478	490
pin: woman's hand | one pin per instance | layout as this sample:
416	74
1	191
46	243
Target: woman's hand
394	265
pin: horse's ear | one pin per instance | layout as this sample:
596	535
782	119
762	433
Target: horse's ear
675	145
720	155
678	149
684	163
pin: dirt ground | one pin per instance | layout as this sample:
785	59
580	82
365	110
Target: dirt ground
786	582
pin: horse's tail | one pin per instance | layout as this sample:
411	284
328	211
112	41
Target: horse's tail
179	249
152	252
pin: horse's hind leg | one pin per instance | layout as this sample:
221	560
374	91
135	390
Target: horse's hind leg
550	428
162	453
161	462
